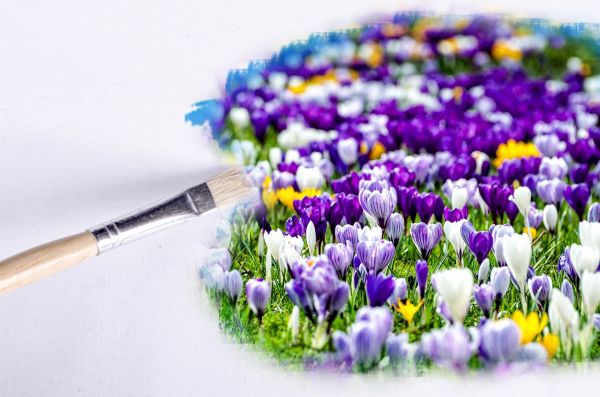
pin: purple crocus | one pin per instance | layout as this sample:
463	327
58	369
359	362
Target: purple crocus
484	296
258	294
340	256
375	255
347	234
566	266
428	204
567	289
577	197
500	281
594	213
456	214
233	285
448	347
395	228
480	244
379	288
534	217
426	237
400	291
379	204
539	288
551	191
406	201
422	271
495	197
499	341
397	347
350	207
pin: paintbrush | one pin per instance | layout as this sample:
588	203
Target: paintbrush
229	187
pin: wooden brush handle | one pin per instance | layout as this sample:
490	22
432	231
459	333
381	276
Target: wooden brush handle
46	259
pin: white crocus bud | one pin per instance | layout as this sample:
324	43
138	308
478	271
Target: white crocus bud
459	197
244	152
564	319
517	253
268	265
522	198
484	270
584	258
275	156
273	240
240	118
550	217
311	237
590	290
589	233
292	156
367	233
455	287
348	150
452	232
294	322
309	177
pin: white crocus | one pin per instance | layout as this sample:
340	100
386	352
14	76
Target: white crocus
311	237
367	233
584	258
589	234
292	156
273	240
244	151
275	156
455	287
240	118
550	217
348	150
294	322
564	319
459	197
517	254
484	271
522	198
309	177
452	232
590	290
289	252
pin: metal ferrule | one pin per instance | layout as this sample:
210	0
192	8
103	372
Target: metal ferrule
189	204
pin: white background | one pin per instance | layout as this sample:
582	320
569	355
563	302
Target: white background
92	100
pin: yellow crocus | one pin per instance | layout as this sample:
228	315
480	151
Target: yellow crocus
408	310
530	326
288	195
532	230
550	342
504	50
376	151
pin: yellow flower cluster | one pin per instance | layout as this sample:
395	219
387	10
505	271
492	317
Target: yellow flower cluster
504	50
532	326
288	195
514	150
531	230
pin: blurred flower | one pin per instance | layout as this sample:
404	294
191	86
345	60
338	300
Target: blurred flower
421	270
500	341
531	325
379	288
484	297
577	197
448	347
455	287
233	285
258	294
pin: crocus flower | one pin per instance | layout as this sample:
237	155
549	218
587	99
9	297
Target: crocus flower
274	240
400	292
565	265
584	258
500	341
564	319
456	214
309	177
421	270
517	252
379	288
480	244
554	167
452	230
340	256
233	285
426	237
484	270
522	199
347	234
455	287
594	213
551	191
258	294
539	288
311	237
448	347
375	255
378	204
534	219
577	197
397	347
500	281
590	291
589	233
395	228
567	289
348	150
484	296
550	217
427	204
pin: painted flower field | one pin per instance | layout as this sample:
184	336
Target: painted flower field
428	198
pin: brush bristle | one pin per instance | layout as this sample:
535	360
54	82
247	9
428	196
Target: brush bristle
230	187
